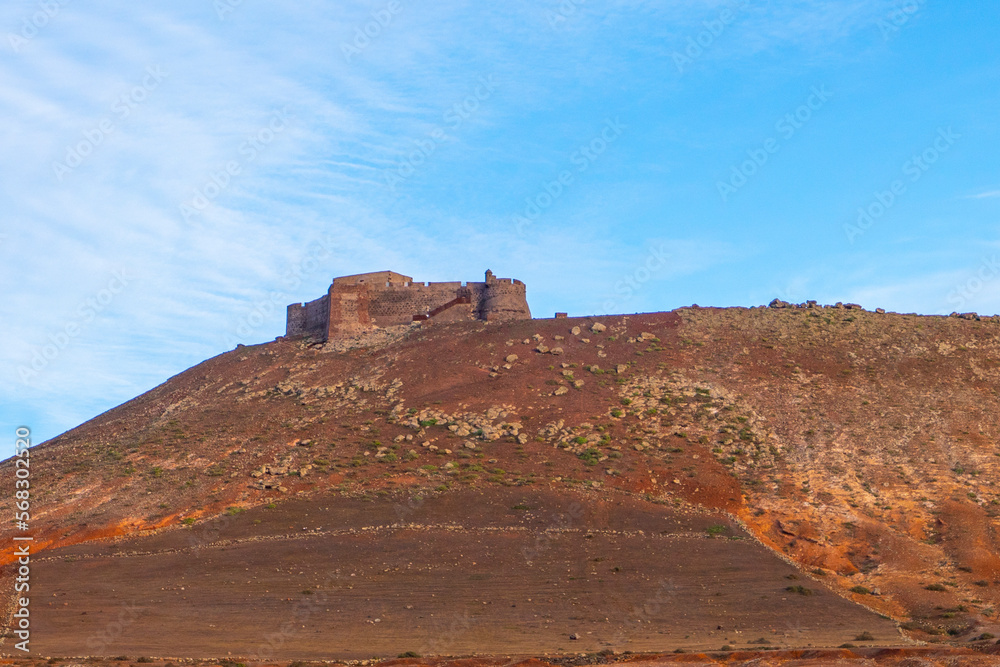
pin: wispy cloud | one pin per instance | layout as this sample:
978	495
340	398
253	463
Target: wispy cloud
65	91
989	194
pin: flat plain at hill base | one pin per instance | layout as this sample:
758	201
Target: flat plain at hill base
490	572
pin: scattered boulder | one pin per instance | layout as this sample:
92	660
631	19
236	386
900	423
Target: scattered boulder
575	331
556	350
510	358
778	303
560	391
597	327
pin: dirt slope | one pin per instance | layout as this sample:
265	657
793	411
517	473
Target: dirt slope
861	446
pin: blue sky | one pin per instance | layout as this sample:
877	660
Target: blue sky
174	175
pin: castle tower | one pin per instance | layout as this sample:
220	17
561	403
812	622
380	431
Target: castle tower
503	299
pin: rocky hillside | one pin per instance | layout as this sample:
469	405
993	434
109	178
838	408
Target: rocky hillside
863	447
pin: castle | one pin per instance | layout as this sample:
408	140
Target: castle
384	298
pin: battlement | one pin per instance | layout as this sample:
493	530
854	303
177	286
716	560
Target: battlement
374	279
384	298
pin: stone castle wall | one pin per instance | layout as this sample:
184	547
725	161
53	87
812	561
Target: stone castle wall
384	298
308	318
398	304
